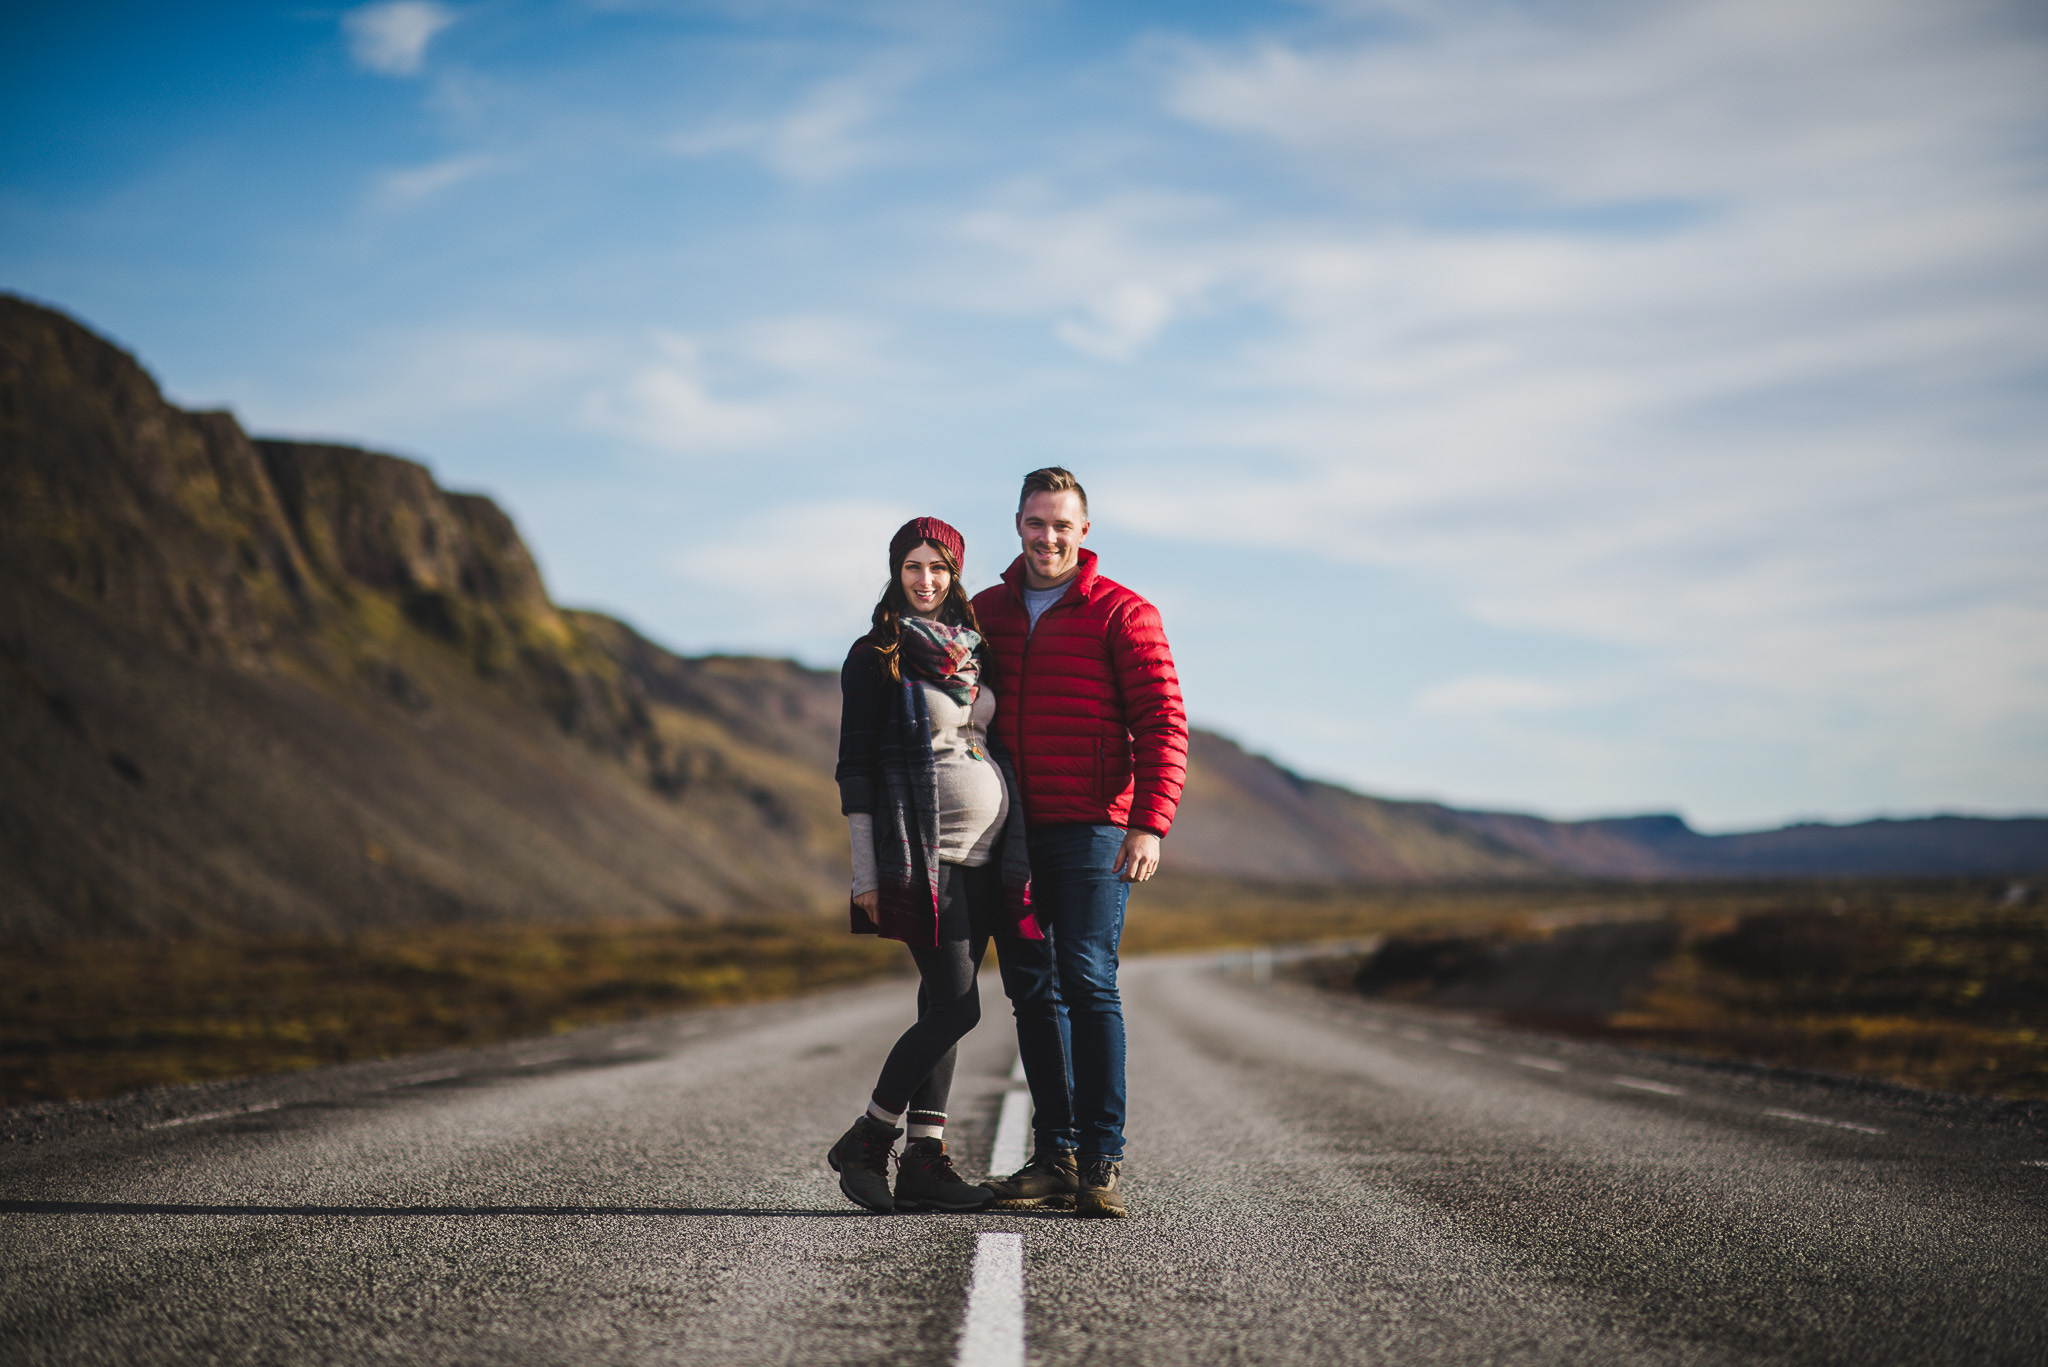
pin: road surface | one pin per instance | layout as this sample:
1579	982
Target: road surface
1312	1180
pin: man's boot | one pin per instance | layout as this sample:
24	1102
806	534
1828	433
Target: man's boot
861	1158
1049	1179
1101	1196
925	1180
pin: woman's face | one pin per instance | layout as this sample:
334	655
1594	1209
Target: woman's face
926	579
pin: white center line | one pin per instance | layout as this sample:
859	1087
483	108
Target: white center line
214	1115
1643	1084
440	1075
1013	1128
1548	1065
1465	1046
993	1333
1823	1120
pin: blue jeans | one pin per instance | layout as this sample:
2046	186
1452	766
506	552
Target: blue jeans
1070	1020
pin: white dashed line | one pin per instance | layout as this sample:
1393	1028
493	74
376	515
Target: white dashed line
1548	1065
1823	1120
1372	1025
632	1041
2034	1162
536	1060
213	1115
1419	1036
440	1075
1465	1046
1643	1084
1013	1128
1017	1069
992	1335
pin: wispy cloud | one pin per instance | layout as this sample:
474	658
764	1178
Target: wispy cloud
417	184
1776	440
391	39
804	570
825	136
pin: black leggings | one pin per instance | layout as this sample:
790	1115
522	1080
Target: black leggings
919	1073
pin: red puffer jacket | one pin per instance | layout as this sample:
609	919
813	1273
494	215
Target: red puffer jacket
1088	705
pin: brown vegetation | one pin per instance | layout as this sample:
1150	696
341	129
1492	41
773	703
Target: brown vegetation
1935	984
93	1018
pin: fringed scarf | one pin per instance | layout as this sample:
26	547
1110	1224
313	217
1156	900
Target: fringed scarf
942	656
907	814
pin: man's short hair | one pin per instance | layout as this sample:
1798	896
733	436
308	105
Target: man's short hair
1051	480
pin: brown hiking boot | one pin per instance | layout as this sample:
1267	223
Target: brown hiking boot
861	1158
925	1180
1049	1179
1101	1197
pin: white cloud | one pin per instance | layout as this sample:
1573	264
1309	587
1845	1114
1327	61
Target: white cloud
1494	694
823	138
425	380
799	572
391	39
1708	331
416	184
1114	274
669	402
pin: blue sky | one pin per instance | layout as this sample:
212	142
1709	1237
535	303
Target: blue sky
1572	406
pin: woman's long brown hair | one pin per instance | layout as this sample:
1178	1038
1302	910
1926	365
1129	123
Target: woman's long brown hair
956	609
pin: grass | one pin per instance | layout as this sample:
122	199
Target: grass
85	1019
1934	983
1937	984
1941	988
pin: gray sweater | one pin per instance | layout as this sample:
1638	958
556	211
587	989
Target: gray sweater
972	799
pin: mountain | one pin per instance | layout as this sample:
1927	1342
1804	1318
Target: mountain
1246	816
272	686
260	686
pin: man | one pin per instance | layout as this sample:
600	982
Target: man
1089	708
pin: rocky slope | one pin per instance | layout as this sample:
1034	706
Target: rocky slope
267	686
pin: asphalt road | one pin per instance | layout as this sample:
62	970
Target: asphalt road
1311	1180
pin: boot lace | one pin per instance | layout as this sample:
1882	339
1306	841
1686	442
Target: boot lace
1101	1173
877	1146
935	1161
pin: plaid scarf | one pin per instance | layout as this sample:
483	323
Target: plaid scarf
942	656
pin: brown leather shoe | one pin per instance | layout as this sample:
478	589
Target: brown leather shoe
1049	1179
1101	1197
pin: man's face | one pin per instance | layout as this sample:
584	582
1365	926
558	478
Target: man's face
1052	528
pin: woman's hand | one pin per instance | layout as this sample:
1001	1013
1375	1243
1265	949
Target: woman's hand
867	901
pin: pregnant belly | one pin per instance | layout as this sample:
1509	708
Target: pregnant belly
972	805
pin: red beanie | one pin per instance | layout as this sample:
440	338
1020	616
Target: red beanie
922	529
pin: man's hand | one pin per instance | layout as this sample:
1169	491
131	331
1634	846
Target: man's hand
868	901
1139	858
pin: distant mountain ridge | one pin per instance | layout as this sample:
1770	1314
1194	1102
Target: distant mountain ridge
1247	816
277	686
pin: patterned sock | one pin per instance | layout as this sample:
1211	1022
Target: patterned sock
890	1118
927	1125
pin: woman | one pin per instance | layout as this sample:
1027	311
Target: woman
938	853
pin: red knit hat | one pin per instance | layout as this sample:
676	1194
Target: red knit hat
922	529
